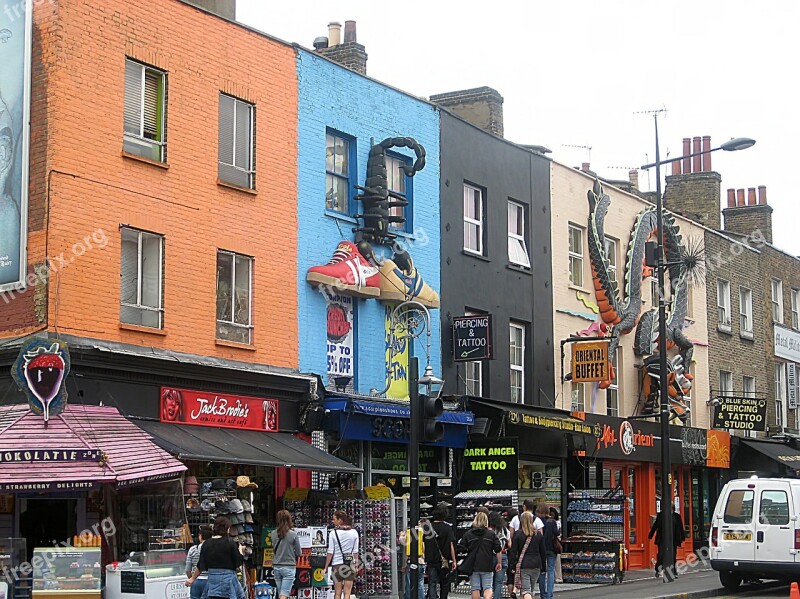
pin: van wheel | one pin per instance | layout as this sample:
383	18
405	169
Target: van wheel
730	580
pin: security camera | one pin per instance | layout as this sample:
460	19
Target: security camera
713	402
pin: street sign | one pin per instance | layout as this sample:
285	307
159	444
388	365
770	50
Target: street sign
589	361
472	338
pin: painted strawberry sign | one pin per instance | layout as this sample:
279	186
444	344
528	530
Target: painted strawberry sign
40	371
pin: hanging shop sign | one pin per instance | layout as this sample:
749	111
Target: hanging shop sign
589	361
694	446
555	423
397	352
341	359
51	455
472	338
638	440
392	457
490	465
718	449
791	383
201	408
740	413
49	486
40	371
786	343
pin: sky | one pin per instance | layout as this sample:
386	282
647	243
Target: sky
582	77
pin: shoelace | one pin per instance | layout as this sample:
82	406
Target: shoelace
339	256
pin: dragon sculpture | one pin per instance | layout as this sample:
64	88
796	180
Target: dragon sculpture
623	313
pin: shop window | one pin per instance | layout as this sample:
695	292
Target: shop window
148	507
145	111
234	297
739	508
236	150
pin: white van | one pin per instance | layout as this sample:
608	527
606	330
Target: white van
755	533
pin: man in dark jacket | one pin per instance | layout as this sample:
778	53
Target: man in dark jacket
438	571
678	536
483	553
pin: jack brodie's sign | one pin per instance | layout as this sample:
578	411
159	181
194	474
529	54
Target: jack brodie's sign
201	408
472	338
491	465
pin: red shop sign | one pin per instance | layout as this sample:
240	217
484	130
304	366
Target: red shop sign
201	408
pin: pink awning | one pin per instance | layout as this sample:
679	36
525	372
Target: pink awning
79	449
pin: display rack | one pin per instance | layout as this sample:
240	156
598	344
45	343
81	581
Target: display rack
594	546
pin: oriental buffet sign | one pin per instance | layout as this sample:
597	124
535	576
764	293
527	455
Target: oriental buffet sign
551	423
51	455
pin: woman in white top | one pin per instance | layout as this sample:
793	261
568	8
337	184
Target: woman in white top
342	554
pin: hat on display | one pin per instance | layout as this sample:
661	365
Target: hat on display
207	505
248	517
235	518
247	551
236	506
240	529
193	505
205	488
248	528
244	481
230	484
248	538
218	484
223	507
191	486
247	506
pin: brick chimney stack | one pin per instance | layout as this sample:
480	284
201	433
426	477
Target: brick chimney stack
693	189
481	106
344	50
746	217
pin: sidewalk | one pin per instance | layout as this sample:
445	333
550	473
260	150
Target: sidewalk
638	584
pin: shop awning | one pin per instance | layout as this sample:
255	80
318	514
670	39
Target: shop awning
80	448
534	417
780	452
254	448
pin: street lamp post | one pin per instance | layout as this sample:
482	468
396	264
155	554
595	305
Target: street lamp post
667	542
414	438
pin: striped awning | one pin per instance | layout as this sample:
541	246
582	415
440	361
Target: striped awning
81	448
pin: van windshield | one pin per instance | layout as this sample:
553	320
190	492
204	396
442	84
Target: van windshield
739	508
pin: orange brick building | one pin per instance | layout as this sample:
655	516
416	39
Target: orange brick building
162	244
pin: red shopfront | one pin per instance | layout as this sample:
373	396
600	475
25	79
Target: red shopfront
628	456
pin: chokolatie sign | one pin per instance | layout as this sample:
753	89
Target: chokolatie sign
472	338
490	465
50	455
740	413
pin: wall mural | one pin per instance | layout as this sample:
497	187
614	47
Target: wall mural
621	310
355	269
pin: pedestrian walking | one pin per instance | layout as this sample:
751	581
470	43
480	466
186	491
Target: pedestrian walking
678	537
498	525
192	557
483	556
425	543
439	578
221	558
342	554
554	515
510	516
286	550
527	556
550	534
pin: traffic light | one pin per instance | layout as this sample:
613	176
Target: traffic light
431	409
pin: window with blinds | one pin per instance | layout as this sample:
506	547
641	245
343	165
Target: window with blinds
141	279
145	111
236	142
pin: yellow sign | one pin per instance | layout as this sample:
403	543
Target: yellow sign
295	494
377	492
589	361
396	357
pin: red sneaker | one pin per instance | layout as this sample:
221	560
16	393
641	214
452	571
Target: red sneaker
348	272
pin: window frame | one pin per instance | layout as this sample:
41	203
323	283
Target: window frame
687	398
612	391
133	142
654	292
250	171
745	496
725	390
746	312
724	305
232	323
514	325
474	364
159	310
780	394
349	178
574	256
515	237
777	300
794	294
480	223
577	396
751	393
408	194
611	247
761	515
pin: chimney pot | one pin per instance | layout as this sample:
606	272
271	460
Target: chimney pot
707	156
762	195
676	167
334	34
349	31
696	160
731	198
320	42
687	149
585	167
740	197
751	196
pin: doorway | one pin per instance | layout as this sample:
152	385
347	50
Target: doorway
47	522
682	485
632	480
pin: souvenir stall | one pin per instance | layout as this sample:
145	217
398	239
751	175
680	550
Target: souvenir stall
378	518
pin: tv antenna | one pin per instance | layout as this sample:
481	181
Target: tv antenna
587	148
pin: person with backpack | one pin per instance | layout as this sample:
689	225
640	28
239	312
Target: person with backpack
527	556
483	556
550	534
498	525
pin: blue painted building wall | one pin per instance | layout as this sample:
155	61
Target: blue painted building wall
331	96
